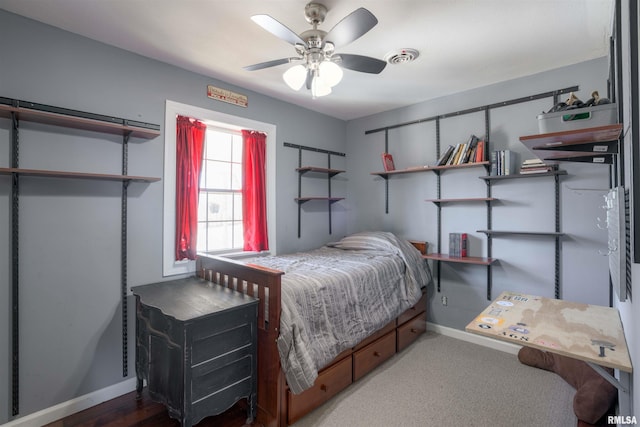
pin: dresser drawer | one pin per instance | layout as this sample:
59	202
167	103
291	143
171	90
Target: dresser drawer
412	312
216	378
366	359
328	384
411	330
221	342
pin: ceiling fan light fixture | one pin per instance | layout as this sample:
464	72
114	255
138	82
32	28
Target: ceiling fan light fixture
322	69
295	76
319	88
330	73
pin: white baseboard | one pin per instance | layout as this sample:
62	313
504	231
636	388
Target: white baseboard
473	338
53	413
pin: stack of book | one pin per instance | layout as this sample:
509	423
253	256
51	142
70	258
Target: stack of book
458	244
471	151
535	166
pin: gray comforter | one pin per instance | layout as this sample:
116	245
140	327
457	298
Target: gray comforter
335	296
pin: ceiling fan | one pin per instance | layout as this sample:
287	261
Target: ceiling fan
321	68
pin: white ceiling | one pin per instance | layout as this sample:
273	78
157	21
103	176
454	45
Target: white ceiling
463	44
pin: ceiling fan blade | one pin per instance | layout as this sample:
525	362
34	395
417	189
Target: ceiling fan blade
268	64
365	64
278	29
351	27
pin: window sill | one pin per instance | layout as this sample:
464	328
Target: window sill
235	255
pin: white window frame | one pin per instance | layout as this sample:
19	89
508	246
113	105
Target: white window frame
170	267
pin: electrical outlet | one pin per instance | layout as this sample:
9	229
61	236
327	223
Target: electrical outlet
444	300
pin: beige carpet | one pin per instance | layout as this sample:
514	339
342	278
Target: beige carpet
443	381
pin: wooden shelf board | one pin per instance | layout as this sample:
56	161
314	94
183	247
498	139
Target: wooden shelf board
403	171
576	156
523	175
329	171
473	199
571	137
71	121
436	169
526	233
76	175
604	147
463	260
307	199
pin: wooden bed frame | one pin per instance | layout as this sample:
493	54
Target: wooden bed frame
277	407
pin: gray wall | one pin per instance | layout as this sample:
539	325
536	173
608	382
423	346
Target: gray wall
70	319
69	242
525	264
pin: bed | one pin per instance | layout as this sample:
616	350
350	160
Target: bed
328	316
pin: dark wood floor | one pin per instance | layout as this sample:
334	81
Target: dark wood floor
126	410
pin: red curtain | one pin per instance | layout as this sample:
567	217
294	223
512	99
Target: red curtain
189	145
254	193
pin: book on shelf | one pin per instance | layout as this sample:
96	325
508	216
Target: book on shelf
471	146
464	239
479	154
458	243
387	162
532	162
535	170
445	156
503	162
454	156
536	166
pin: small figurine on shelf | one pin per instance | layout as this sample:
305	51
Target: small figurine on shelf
387	162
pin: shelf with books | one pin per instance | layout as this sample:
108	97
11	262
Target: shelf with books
446	160
444	168
523	175
435	169
463	260
414	169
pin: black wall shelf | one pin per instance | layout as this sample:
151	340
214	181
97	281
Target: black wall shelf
439	201
19	110
327	172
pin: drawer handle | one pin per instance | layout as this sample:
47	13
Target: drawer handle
414	330
323	387
376	354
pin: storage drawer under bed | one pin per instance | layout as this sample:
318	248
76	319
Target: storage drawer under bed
367	359
410	331
411	312
329	382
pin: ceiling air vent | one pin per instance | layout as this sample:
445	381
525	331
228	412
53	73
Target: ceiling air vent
401	56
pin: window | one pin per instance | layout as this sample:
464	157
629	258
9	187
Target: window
220	201
217	121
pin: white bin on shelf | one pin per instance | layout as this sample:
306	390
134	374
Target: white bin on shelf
578	118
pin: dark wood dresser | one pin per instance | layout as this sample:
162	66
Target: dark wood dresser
196	347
